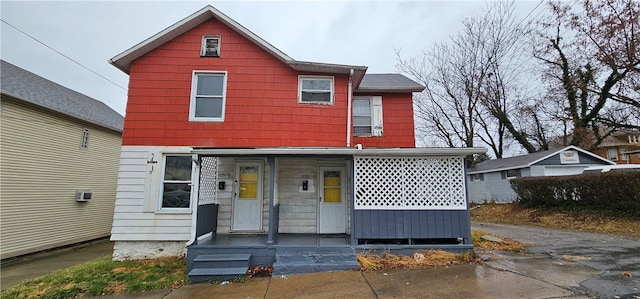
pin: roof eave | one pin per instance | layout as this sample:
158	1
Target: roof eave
389	89
333	151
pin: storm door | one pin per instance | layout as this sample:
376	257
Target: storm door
247	199
331	202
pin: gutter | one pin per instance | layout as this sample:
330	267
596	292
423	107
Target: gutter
350	91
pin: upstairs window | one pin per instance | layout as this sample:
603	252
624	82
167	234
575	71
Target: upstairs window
612	154
84	142
623	154
367	116
210	46
634	139
208	92
315	90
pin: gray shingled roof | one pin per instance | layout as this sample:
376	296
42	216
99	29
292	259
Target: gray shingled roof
29	87
389	82
522	161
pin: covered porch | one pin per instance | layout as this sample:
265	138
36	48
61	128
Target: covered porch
397	199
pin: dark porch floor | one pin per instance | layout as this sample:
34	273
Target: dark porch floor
298	240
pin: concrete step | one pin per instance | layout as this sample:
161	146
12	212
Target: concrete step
317	259
216	267
221	261
216	274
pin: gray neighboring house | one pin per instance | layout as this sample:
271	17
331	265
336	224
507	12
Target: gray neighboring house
60	154
489	181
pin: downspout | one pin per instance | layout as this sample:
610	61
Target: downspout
350	91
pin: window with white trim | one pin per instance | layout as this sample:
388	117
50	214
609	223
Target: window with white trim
623	154
477	177
612	154
634	139
84	142
210	46
315	90
208	96
511	174
367	116
176	182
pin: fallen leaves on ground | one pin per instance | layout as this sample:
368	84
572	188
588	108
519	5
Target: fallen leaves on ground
513	213
386	260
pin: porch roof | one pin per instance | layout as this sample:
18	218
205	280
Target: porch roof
339	151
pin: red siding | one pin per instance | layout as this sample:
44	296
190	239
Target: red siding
397	121
261	100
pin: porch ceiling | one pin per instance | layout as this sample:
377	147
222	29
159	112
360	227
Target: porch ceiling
340	151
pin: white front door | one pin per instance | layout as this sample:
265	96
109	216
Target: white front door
332	197
247	199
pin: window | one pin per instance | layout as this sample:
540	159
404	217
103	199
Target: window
84	142
315	90
367	116
612	154
623	154
208	92
176	182
634	139
510	174
477	177
210	46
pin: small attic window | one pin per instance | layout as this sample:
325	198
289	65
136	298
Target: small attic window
210	46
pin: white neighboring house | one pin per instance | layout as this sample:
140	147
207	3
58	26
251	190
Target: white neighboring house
489	181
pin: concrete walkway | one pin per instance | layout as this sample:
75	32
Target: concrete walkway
33	266
460	281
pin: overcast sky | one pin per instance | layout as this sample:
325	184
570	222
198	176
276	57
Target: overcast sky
343	32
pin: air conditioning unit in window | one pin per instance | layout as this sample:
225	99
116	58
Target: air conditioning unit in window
83	195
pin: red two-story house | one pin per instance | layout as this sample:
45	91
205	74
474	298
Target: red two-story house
236	155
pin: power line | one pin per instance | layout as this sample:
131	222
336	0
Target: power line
63	55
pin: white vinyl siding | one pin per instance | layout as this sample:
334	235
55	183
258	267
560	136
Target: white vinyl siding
137	217
42	168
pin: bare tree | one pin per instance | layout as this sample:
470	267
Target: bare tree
591	59
470	81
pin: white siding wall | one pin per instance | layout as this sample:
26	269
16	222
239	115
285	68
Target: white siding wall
42	167
137	217
298	209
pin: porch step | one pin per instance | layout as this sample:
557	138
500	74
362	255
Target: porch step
213	267
316	259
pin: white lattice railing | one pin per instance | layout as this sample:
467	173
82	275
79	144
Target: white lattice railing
208	180
405	183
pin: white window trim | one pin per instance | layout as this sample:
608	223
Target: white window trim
84	142
332	89
159	198
192	105
609	156
375	104
203	46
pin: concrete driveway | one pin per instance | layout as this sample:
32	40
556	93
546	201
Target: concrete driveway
613	260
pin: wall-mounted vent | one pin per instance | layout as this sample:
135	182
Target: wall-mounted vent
83	195
210	46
